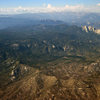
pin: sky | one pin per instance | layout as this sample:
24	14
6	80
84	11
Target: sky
33	6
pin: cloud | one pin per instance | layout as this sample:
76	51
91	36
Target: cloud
98	4
48	8
64	8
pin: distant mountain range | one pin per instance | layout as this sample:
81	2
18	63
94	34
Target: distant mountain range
92	19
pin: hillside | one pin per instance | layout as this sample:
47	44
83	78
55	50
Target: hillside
49	62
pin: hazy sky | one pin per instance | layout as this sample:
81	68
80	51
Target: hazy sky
27	3
20	6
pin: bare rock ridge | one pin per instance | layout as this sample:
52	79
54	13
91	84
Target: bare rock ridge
90	28
58	81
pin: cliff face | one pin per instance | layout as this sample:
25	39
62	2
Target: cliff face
90	29
97	31
84	28
58	81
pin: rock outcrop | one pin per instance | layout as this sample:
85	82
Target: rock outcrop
58	81
90	29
